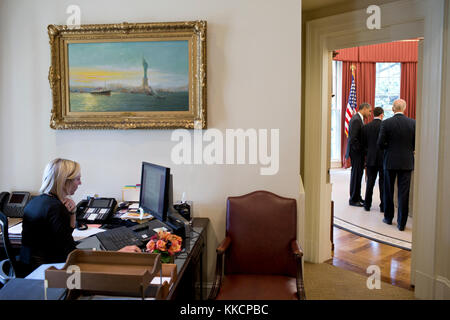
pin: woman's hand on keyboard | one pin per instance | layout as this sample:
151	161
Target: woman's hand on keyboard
130	249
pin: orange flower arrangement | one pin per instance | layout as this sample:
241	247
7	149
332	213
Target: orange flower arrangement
166	244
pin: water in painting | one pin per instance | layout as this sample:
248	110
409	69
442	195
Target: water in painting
129	76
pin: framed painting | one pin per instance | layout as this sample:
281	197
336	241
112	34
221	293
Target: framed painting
128	76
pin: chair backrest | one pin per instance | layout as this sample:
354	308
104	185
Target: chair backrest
261	226
6	243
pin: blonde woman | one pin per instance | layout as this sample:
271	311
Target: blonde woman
49	219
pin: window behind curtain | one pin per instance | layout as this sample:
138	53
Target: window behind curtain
387	88
336	106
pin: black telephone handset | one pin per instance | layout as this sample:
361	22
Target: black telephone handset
12	204
81	206
95	210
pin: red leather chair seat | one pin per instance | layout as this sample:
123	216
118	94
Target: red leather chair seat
257	287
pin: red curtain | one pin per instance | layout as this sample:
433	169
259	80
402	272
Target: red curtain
349	54
408	84
400	51
365	84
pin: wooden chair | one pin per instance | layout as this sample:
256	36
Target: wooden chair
262	258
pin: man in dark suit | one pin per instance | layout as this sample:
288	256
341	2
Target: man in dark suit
356	152
374	158
397	138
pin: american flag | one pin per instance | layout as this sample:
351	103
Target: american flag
351	105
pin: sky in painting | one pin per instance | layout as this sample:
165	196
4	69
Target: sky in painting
121	63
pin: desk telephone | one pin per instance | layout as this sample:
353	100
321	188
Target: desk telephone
12	204
95	210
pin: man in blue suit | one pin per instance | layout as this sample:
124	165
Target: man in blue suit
397	139
374	158
355	151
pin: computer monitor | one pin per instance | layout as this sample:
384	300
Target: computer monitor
154	194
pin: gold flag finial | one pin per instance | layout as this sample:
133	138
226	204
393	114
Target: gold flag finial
353	68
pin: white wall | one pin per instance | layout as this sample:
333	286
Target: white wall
443	220
253	56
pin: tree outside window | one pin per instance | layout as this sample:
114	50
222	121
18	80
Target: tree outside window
387	88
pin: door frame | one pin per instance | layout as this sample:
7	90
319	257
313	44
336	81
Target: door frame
399	20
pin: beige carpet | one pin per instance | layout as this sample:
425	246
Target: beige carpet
326	282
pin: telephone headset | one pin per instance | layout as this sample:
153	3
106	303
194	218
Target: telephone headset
12	204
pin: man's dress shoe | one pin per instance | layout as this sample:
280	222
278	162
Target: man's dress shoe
356	204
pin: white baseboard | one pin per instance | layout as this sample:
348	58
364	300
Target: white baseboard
428	288
442	289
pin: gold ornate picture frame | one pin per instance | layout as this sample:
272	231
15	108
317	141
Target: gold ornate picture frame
128	76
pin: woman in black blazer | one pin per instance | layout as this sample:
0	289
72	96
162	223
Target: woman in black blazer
49	219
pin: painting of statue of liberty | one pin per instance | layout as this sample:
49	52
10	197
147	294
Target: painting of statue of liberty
130	76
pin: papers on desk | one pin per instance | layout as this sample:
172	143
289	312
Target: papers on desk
136	216
133	206
16	232
160	280
81	234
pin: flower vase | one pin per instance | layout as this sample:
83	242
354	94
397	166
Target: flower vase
167	258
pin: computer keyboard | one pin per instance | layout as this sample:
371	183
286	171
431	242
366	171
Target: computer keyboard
115	239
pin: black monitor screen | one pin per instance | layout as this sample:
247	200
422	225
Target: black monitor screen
154	190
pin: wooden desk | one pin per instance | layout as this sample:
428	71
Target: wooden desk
191	263
190	283
13	221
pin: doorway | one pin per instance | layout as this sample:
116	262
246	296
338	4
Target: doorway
406	19
378	74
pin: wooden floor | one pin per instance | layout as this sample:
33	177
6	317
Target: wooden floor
356	253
